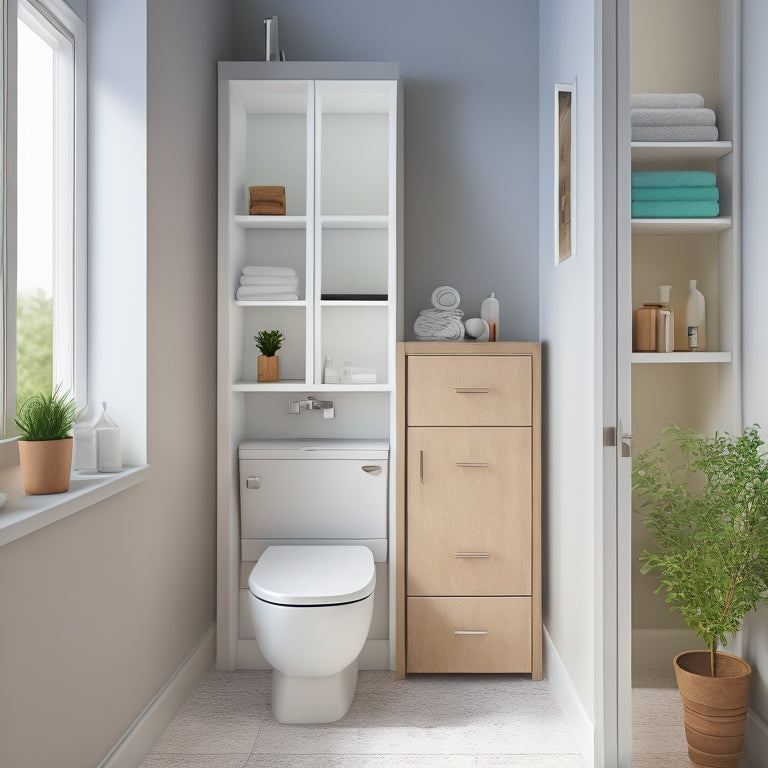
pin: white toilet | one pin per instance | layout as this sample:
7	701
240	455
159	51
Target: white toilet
315	514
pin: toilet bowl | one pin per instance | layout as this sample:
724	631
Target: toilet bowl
311	608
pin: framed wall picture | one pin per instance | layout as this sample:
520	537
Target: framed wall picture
565	166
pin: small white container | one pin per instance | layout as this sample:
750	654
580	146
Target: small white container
695	319
83	447
108	451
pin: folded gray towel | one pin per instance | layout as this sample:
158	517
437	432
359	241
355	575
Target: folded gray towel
666	100
672	117
674	133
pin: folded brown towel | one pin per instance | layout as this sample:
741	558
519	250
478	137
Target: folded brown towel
266	201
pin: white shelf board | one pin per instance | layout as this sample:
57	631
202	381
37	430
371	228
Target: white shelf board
360	303
681	357
680	226
271	222
299	303
656	151
296	385
354	222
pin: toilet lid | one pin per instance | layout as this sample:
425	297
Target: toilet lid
313	575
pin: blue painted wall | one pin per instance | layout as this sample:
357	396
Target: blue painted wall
470	79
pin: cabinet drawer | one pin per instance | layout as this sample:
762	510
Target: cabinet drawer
469	511
468	634
469	390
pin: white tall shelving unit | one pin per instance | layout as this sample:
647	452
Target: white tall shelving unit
330	134
697	389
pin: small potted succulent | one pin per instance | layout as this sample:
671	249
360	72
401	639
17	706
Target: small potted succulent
706	500
45	423
268	343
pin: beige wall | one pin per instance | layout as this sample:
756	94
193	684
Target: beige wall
98	611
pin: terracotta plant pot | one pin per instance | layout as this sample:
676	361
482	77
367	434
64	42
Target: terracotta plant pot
714	708
269	368
45	465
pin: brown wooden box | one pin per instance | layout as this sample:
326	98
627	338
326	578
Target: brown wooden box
644	328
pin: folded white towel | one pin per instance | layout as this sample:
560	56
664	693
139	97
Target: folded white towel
439	325
672	117
246	293
668	100
270	271
289	282
257	290
674	133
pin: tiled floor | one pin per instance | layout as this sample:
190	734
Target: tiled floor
430	721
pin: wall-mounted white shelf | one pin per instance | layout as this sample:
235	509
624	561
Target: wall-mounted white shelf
663	152
665	358
271	222
680	226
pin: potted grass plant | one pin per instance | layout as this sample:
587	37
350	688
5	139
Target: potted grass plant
268	343
705	501
45	423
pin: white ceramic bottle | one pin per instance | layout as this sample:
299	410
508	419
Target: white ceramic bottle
108	452
489	311
83	447
695	319
666	331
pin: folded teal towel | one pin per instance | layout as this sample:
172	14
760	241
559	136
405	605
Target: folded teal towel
675	209
675	193
673	179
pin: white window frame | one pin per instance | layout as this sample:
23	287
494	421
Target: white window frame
59	25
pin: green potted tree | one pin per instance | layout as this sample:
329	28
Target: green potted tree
45	423
706	505
268	343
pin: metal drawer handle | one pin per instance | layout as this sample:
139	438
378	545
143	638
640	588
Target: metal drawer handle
372	469
471	554
470	631
472	390
471	463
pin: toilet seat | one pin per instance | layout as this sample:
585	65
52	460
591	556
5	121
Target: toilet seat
313	575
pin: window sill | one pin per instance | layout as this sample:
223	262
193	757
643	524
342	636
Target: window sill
22	515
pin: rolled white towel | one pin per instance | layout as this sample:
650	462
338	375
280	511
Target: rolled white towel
270	271
247	293
672	117
439	325
666	100
288	282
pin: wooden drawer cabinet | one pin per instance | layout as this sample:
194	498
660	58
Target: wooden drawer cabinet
469	511
469	540
471	390
469	634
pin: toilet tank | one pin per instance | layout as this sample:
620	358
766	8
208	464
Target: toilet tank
318	490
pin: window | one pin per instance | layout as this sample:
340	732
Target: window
45	255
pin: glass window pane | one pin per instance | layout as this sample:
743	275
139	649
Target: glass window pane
36	213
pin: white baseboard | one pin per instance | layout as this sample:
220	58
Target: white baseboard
375	655
756	741
654	649
562	686
136	743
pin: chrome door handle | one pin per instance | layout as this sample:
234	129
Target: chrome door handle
372	469
471	463
471	554
470	631
472	390
626	446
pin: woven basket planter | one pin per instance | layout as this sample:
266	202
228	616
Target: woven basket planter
714	708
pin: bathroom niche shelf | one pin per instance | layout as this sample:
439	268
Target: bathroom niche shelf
674	151
680	226
330	133
666	358
270	222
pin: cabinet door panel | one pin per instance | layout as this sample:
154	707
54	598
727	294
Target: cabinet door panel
469	390
469	634
469	511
